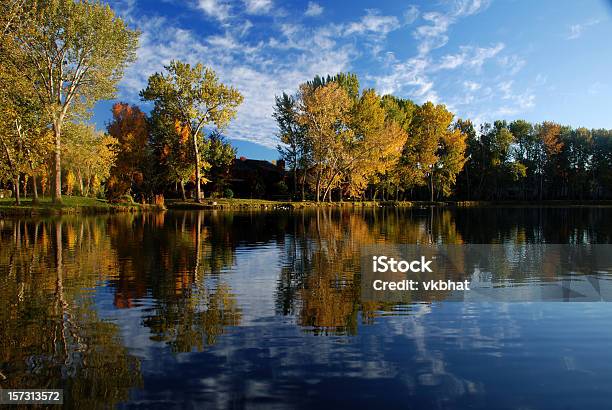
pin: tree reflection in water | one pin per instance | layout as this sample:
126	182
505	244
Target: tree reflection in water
51	335
178	270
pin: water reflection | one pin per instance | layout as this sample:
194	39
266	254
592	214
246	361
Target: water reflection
230	308
51	335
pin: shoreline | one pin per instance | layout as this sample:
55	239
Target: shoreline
241	204
93	206
71	205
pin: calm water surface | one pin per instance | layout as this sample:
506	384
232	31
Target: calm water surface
218	309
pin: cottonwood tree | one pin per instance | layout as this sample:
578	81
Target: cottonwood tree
294	148
75	53
89	155
434	153
193	96
375	146
24	138
325	112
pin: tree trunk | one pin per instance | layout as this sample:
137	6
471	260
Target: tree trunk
318	185
431	186
183	190
57	180
17	195
87	186
25	185
304	185
197	165
80	176
294	181
34	189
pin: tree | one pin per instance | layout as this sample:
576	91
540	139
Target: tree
324	112
89	156
75	53
24	141
294	148
130	128
429	130
451	160
172	148
472	151
375	146
220	155
194	97
549	135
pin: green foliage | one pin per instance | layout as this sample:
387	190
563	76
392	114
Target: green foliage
72	54
189	98
228	193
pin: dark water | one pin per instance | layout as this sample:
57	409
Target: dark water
237	310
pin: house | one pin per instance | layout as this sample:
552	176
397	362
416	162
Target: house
253	178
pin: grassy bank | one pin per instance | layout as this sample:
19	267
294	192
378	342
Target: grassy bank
70	205
83	205
236	204
268	204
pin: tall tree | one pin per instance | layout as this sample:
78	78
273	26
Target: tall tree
89	155
75	53
549	135
325	112
294	148
24	142
173	150
129	126
193	96
220	155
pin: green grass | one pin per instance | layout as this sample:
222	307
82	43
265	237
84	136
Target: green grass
237	203
69	205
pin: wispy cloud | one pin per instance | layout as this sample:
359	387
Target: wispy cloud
411	14
215	9
262	62
471	85
471	57
374	22
576	30
258	6
314	9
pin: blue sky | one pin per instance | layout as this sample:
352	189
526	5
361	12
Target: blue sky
485	59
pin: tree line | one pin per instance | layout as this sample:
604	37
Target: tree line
343	143
59	57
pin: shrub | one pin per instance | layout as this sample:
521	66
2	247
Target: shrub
228	193
281	188
159	201
127	198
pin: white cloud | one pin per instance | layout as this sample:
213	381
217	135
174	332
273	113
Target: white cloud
433	35
288	53
215	9
596	88
313	9
511	64
471	85
257	70
411	77
374	22
576	30
472	57
258	6
522	101
411	14
470	7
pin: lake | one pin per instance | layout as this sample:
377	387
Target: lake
220	309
